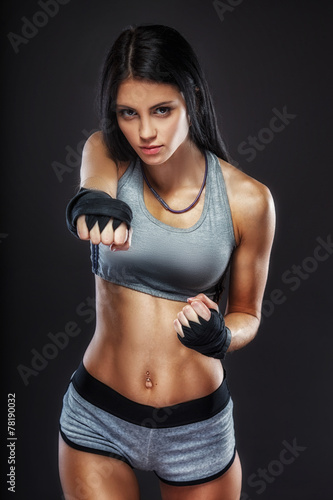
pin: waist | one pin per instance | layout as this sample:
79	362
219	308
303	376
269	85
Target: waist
181	376
135	334
106	398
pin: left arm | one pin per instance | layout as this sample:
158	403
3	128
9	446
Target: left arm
249	268
255	225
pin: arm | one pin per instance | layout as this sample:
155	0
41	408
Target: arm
98	171
255	223
249	269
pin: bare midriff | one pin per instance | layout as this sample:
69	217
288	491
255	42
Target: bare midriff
135	335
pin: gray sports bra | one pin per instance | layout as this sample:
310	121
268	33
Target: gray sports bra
166	261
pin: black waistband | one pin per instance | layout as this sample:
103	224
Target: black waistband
106	398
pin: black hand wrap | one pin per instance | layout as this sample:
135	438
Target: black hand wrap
211	338
97	206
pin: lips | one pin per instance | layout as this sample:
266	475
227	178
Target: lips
151	150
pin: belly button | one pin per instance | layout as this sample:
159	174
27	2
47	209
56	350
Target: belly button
149	383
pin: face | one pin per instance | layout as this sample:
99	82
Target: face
153	118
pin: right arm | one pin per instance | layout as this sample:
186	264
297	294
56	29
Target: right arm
98	171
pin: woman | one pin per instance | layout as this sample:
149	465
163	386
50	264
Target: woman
151	392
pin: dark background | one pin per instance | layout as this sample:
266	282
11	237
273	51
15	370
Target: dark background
260	58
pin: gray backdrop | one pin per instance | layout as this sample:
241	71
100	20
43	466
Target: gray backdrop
266	63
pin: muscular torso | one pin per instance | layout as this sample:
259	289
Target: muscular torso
135	334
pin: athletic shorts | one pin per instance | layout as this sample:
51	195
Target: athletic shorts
184	444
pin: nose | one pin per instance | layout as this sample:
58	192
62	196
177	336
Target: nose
147	129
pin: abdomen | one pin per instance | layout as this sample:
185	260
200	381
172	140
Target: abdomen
135	334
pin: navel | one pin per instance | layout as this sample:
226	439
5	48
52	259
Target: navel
149	383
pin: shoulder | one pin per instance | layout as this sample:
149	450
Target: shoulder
251	202
96	149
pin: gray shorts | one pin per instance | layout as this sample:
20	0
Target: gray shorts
184	444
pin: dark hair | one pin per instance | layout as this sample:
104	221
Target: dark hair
157	53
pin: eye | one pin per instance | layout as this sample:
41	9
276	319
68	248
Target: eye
127	113
163	110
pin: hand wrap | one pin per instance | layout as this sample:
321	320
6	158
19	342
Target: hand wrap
97	206
211	338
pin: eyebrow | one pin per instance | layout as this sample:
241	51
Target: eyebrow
152	107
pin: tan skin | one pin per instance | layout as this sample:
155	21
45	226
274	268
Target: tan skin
136	332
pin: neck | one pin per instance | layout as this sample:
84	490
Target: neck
184	168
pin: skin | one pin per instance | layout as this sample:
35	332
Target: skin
136	332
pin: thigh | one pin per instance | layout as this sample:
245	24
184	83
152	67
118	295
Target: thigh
226	487
88	476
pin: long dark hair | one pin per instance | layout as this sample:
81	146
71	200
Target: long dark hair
157	53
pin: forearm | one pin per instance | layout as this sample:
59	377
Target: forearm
243	329
98	171
101	184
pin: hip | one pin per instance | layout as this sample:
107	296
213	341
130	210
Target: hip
186	443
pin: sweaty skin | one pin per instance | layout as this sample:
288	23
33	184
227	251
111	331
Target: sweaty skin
136	332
